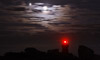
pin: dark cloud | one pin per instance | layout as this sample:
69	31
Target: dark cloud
11	2
49	1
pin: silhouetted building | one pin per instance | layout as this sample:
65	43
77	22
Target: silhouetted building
65	46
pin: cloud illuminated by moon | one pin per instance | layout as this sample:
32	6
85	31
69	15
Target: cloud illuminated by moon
45	8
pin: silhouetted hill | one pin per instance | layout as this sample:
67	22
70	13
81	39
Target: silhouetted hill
84	52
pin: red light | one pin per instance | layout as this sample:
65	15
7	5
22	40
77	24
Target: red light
65	41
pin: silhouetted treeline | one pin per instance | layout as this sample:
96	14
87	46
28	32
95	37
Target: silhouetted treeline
84	53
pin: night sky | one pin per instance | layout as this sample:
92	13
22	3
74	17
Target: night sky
78	21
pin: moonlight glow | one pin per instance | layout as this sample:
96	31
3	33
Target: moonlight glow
45	8
30	4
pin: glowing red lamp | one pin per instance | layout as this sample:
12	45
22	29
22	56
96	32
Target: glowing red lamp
65	41
65	45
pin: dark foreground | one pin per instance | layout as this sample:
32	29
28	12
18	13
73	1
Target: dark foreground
84	53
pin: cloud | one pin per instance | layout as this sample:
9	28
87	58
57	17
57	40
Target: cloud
11	2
